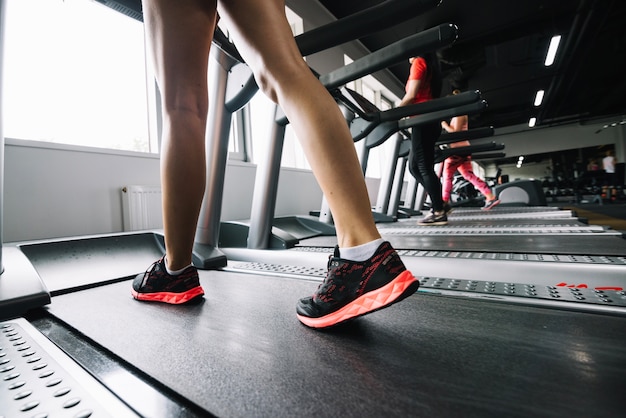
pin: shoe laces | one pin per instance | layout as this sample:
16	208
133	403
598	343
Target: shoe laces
146	274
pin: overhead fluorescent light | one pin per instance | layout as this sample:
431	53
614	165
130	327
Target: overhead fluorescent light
539	97
554	46
532	122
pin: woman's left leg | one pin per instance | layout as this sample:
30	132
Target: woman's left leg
264	39
354	285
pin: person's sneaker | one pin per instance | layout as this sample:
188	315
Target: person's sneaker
352	289
434	218
156	285
489	204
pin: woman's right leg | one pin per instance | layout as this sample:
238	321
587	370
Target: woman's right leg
449	168
180	34
179	37
467	172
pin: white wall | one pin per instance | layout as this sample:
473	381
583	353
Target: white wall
56	191
65	192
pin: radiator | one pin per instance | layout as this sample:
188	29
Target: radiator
141	208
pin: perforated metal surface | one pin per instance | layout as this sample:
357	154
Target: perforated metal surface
500	215
609	298
38	380
283	270
547	258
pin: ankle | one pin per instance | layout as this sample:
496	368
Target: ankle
175	270
361	252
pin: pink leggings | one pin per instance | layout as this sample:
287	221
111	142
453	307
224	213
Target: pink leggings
464	165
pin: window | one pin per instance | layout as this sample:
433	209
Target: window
370	88
240	134
75	73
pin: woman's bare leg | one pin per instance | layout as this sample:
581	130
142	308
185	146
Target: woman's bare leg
180	34
264	38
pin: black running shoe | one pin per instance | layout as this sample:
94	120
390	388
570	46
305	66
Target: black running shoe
156	285
353	289
489	204
434	218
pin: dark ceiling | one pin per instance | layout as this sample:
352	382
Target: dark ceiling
501	50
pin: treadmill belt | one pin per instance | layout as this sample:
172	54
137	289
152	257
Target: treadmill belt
241	352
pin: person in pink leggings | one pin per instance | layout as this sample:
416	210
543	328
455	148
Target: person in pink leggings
463	164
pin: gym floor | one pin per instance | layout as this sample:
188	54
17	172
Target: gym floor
611	215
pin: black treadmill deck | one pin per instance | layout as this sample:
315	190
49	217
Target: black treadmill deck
242	352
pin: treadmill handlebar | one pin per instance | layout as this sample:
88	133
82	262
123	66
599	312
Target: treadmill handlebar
441	155
366	123
419	43
468	109
448	138
435	105
488	155
357	25
349	28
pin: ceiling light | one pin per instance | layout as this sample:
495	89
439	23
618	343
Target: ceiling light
532	122
539	97
554	45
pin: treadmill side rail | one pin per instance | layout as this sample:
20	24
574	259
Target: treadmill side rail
21	288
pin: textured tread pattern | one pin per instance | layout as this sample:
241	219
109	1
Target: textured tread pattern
401	287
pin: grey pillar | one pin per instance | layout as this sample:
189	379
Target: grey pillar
266	187
2	20
386	183
206	254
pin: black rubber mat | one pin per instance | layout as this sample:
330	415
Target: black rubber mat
241	352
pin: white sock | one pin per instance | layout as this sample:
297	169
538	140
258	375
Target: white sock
174	272
361	252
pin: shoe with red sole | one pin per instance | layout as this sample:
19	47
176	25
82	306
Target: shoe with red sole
352	289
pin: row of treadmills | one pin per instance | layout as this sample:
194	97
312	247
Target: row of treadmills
521	312
521	309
